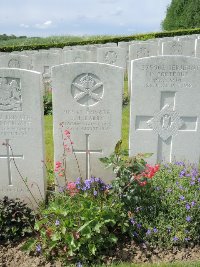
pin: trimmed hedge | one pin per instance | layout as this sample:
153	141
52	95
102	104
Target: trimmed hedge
116	39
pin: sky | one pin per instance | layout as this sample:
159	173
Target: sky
81	17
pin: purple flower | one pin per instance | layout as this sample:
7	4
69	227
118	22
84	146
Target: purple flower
95	192
179	163
132	221
175	238
182	197
187	239
188	218
182	173
192	183
169	190
193	203
57	222
148	232
198	180
187	206
139	225
155	230
38	248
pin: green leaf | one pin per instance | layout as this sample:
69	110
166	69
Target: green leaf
28	245
92	248
84	226
113	238
55	237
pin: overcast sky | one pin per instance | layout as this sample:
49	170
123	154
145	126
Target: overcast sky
81	17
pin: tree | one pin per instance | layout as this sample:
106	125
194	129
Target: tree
182	14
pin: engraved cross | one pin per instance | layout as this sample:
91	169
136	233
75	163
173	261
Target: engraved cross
87	152
166	123
9	156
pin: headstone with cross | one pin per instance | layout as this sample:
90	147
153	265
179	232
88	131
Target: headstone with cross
21	135
164	108
85	97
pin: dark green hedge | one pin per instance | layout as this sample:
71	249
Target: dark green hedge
101	41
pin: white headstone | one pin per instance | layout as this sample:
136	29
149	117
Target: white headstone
181	48
112	55
71	56
21	134
164	108
15	61
85	97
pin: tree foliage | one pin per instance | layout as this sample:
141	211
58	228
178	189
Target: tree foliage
182	14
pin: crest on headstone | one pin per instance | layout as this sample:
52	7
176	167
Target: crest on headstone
10	94
166	123
13	63
110	57
87	89
142	52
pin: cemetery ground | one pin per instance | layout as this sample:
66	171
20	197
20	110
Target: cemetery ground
164	230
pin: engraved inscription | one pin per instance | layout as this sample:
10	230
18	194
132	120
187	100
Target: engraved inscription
110	57
143	52
91	120
166	123
13	63
171	76
10	94
87	89
14	125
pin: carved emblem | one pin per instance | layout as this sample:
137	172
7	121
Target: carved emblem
10	94
77	59
166	123
87	89
110	57
13	63
142	52
177	49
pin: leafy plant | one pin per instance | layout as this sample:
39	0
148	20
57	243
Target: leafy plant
133	175
47	102
16	220
80	223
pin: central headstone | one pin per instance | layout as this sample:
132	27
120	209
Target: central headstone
164	108
85	97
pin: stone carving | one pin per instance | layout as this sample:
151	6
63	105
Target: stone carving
10	94
142	52
13	63
177	49
87	89
166	123
110	57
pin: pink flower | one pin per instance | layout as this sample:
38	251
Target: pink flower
67	133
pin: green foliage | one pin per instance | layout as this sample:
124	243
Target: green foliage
170	214
131	183
16	220
80	226
182	14
47	102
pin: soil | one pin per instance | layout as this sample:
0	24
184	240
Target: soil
12	256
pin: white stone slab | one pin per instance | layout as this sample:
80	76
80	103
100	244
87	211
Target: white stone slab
165	112
43	61
15	61
71	56
180	48
87	98
112	55
21	130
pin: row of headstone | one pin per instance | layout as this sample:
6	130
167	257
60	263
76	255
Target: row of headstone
87	99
